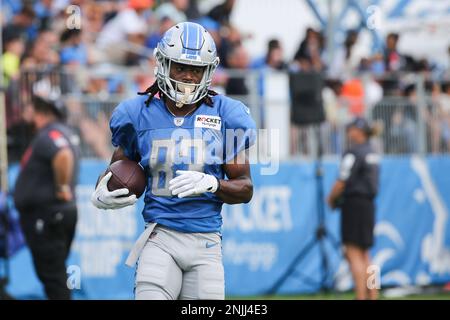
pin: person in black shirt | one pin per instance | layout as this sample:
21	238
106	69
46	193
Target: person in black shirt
354	193
44	196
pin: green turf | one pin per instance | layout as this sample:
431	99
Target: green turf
343	296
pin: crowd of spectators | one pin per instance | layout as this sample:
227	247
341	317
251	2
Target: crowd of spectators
102	36
381	86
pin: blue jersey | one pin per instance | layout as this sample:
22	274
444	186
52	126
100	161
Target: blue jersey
162	143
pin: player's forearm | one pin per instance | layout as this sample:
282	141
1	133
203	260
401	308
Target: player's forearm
117	155
63	165
233	191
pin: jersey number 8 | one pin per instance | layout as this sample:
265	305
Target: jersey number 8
163	170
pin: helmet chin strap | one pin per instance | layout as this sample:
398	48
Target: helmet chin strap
185	97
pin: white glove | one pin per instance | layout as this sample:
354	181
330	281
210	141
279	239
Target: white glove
102	198
189	183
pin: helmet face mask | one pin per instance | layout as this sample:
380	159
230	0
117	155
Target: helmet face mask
189	44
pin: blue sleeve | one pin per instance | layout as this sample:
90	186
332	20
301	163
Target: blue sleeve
240	130
123	132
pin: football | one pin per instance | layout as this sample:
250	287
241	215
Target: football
127	174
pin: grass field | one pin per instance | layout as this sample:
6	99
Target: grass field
435	294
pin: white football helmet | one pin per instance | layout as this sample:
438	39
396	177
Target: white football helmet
186	43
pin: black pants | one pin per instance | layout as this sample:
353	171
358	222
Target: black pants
49	236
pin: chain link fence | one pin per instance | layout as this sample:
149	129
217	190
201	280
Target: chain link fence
91	95
415	123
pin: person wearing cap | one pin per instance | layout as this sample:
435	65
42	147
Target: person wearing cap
354	193
44	195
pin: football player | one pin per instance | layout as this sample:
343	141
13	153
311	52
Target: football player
193	146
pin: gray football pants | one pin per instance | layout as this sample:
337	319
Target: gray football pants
176	265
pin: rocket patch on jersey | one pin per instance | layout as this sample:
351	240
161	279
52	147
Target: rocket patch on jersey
206	121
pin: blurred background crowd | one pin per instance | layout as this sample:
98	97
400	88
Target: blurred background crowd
290	61
98	52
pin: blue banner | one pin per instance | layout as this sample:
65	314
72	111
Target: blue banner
270	243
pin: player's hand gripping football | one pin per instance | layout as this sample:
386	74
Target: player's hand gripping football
189	183
102	198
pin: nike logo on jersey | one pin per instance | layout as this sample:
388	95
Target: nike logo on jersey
210	245
178	121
